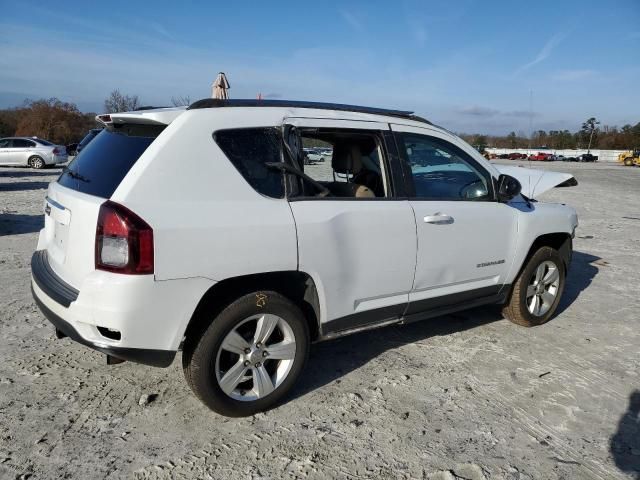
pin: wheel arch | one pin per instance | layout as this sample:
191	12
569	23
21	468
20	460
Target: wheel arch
560	241
297	286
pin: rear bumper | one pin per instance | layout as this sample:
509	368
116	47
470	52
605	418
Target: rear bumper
155	358
55	159
149	316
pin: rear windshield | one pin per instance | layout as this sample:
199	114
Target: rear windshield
89	137
43	142
106	160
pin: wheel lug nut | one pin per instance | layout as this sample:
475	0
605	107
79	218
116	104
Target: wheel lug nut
258	365
247	351
258	345
265	353
246	363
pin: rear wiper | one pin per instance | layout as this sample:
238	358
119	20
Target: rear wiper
324	191
75	175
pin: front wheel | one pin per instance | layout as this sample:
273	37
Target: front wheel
250	355
537	290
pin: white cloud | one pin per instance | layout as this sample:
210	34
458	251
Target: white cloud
544	53
353	20
573	75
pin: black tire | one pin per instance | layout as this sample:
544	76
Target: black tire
36	162
628	162
200	353
516	309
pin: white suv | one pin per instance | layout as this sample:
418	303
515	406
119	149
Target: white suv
201	229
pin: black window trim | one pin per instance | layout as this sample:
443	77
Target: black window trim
385	141
408	175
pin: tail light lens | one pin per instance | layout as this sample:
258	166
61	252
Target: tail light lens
56	151
124	242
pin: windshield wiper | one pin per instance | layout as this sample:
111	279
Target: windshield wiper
75	175
324	191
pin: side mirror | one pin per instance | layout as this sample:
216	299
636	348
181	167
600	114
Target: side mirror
508	187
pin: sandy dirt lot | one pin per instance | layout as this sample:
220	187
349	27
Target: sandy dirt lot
466	396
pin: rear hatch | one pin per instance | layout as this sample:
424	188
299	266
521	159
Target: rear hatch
73	201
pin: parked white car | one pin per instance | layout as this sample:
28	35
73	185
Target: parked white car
31	152
316	155
241	259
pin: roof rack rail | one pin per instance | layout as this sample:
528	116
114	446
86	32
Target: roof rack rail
220	103
147	107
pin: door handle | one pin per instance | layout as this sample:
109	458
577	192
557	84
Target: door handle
439	219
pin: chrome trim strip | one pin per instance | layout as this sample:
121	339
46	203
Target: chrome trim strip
54	203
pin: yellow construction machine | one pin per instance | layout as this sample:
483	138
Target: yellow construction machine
630	158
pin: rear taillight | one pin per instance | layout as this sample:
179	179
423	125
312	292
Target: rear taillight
124	242
56	151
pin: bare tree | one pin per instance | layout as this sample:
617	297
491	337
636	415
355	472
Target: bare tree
181	101
589	128
117	102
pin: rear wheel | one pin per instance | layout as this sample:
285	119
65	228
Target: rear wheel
36	162
250	355
537	290
628	162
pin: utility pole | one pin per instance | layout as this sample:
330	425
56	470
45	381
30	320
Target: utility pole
530	120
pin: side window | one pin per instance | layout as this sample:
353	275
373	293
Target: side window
348	163
21	143
249	149
442	171
5	143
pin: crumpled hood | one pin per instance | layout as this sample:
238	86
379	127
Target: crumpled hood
536	182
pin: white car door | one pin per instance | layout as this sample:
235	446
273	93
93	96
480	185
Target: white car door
18	152
360	252
466	239
5	144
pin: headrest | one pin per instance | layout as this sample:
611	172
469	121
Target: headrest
347	158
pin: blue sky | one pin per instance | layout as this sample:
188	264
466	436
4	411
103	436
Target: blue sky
467	65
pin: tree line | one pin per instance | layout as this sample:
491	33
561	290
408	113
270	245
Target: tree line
62	122
590	135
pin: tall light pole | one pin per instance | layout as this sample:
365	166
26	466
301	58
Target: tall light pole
530	120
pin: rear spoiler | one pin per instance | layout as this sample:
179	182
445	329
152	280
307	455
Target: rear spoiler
152	116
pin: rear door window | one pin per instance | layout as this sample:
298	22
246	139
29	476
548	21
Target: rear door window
249	149
22	143
101	166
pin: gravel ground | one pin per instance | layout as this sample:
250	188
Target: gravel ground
466	396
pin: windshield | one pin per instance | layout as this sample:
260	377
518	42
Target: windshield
106	160
88	137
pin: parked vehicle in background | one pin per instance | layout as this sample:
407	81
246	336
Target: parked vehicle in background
630	158
541	157
315	155
31	152
241	256
587	157
504	156
88	137
72	148
517	156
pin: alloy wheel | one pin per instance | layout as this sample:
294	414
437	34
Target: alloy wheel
255	357
543	288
